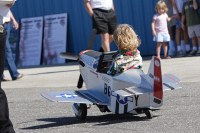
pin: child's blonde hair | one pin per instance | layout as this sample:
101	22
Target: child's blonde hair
126	38
161	5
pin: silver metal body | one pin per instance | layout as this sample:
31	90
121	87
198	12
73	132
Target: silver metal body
132	91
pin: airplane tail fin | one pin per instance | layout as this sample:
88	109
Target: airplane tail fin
155	76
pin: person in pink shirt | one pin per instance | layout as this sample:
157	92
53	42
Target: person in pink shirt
160	29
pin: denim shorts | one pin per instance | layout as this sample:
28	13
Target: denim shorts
178	24
162	37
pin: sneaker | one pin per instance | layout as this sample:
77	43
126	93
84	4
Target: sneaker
19	76
181	53
193	52
5	79
188	52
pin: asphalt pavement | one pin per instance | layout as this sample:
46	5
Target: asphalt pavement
31	113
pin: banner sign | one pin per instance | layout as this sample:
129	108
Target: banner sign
55	38
30	44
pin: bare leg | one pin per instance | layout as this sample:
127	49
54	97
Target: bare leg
110	38
165	48
198	42
105	44
178	37
194	40
187	41
158	49
194	46
172	49
180	43
186	37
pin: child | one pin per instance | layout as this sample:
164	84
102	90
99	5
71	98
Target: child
159	28
128	56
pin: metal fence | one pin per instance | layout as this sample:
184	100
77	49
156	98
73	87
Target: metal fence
137	13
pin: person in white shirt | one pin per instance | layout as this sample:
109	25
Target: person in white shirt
103	19
7	18
5	123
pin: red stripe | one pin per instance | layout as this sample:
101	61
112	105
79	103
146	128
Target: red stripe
158	92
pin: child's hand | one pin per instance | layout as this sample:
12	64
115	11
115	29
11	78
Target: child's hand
154	33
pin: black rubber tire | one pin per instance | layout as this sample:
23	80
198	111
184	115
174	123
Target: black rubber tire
148	114
82	112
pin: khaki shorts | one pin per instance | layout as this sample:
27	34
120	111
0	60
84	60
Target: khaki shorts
194	31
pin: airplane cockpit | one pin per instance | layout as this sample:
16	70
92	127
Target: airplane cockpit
105	61
101	61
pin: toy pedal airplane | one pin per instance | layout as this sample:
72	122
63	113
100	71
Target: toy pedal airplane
132	91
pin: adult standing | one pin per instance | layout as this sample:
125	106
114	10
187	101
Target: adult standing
104	20
7	19
182	38
171	28
190	14
5	123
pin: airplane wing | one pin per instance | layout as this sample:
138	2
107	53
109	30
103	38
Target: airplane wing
170	82
79	96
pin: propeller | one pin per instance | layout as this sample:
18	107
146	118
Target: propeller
68	56
74	57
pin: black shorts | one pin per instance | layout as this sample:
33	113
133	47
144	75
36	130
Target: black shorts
104	21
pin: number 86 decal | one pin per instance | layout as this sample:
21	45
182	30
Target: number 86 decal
107	90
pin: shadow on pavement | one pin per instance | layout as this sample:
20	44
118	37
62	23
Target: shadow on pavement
97	120
75	70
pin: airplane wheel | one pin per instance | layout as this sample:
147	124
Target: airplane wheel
81	113
148	114
103	108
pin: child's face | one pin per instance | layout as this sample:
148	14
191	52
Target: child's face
160	10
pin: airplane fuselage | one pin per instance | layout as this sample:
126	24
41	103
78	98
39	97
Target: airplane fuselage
123	92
